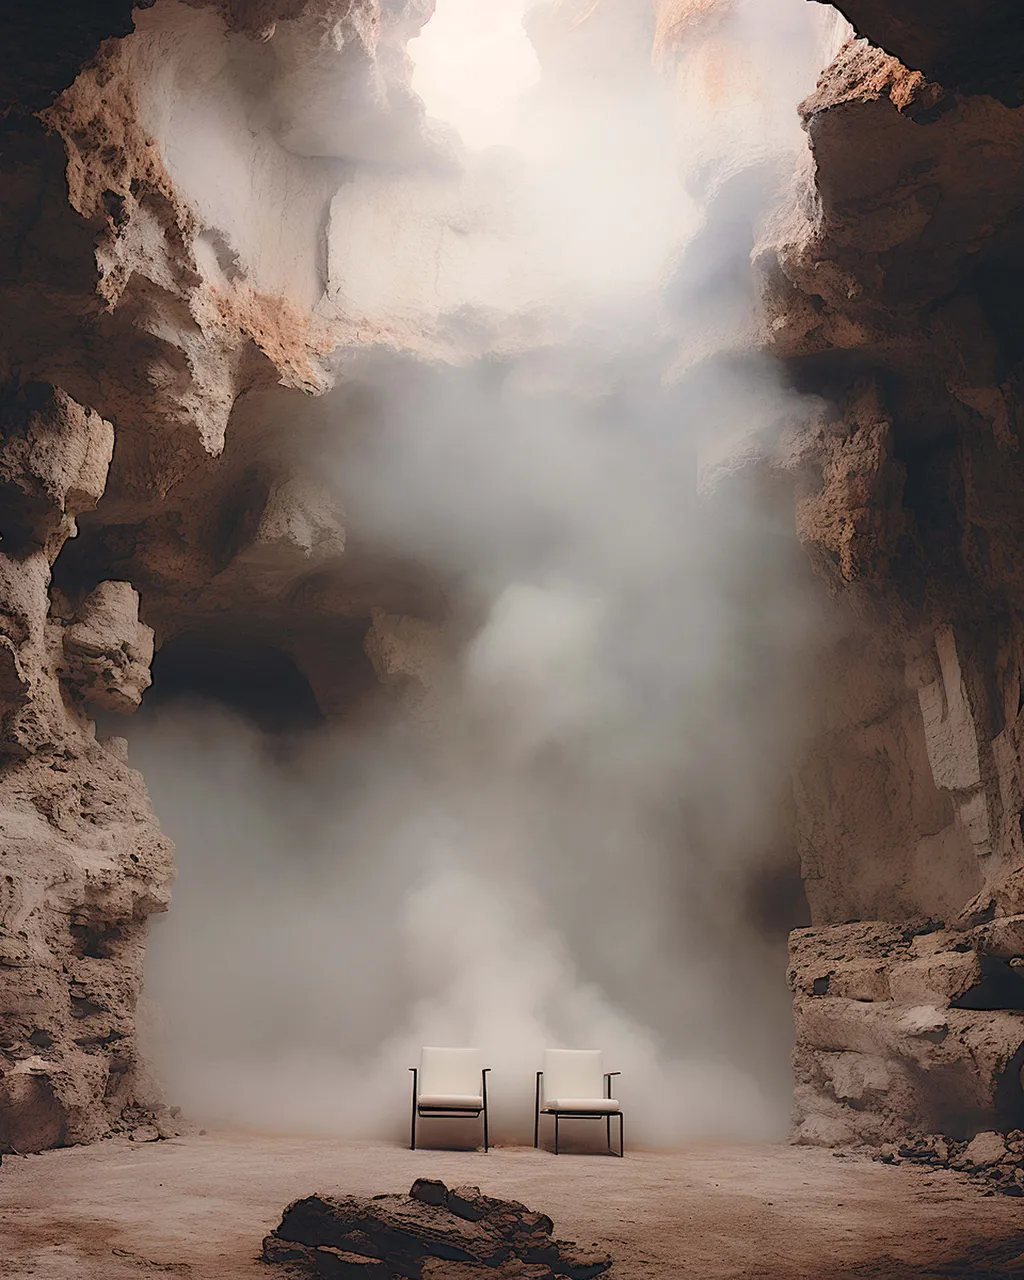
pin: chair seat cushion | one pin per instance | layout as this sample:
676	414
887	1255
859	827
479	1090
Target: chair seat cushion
581	1104
452	1101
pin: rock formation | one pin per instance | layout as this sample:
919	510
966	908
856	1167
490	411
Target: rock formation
136	319
889	286
434	1232
183	186
84	863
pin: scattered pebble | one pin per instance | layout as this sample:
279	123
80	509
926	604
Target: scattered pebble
996	1159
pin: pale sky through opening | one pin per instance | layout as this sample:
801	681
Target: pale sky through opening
473	65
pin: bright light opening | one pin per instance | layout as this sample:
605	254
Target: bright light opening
473	65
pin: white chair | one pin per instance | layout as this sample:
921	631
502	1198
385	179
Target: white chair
449	1083
574	1083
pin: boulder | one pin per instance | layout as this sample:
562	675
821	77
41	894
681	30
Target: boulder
986	1149
431	1234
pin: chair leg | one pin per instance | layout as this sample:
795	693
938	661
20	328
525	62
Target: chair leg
415	1094
556	1133
608	1129
536	1113
622	1145
483	1094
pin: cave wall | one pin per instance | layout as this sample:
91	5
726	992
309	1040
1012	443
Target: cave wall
890	287
83	862
163	255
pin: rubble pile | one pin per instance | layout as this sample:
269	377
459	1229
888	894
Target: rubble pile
433	1233
997	1159
150	1123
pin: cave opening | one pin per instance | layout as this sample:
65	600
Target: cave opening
255	679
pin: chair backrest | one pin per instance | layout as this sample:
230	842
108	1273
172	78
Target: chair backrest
450	1071
573	1073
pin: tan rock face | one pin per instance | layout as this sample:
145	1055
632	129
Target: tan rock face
53	463
886	286
165	332
136	314
107	650
82	862
899	1027
977	50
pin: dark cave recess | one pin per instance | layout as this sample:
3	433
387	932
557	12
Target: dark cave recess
255	679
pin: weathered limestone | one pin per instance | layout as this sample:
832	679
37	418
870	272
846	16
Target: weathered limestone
903	1027
107	650
975	48
143	291
410	656
1003	938
83	863
847	524
887	287
878	834
53	463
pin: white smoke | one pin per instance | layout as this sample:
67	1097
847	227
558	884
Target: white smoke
473	63
564	852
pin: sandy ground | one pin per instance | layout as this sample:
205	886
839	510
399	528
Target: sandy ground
199	1206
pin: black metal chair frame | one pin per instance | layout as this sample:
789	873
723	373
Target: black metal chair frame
450	1113
606	1116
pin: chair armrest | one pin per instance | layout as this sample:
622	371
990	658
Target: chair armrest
608	1082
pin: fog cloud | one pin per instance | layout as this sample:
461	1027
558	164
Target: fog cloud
567	848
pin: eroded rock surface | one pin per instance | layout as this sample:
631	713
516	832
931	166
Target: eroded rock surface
164	324
146	301
904	1026
82	862
976	48
888	282
435	1233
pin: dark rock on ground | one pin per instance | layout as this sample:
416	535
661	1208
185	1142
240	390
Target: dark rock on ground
434	1233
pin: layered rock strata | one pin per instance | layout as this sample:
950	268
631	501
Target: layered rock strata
907	1026
889	287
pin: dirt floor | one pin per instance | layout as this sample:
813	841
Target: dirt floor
198	1207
